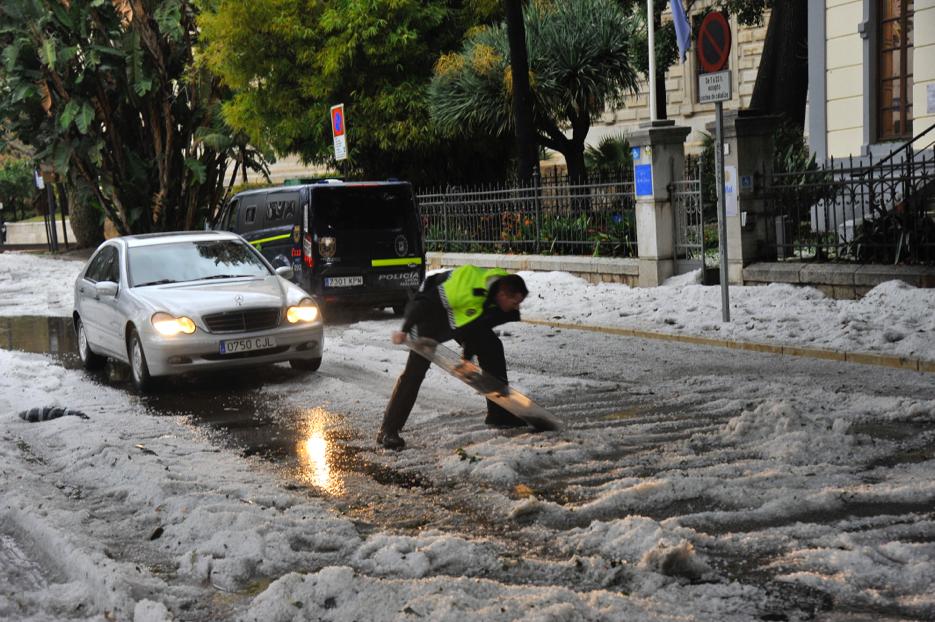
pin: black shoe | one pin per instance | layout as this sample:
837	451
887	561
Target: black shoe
390	440
504	420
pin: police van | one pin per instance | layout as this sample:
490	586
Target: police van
348	243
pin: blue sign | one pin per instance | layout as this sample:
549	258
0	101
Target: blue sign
635	152
643	176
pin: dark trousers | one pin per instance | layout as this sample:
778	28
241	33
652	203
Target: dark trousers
489	350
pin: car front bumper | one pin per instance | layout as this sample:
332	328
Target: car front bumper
201	351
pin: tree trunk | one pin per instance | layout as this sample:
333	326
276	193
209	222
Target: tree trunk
574	160
526	152
782	80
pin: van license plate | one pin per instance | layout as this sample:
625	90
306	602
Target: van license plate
252	344
343	281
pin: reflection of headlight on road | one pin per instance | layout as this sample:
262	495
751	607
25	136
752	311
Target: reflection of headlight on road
169	325
316	454
306	311
316	451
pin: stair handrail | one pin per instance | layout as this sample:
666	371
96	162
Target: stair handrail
904	147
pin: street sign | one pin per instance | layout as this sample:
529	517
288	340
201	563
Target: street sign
643	178
713	43
338	132
714	87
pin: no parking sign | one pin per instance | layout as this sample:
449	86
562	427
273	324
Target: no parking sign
338	125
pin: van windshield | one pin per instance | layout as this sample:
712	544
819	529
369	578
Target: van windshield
379	207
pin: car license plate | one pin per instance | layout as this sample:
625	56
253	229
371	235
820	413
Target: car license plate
251	344
343	281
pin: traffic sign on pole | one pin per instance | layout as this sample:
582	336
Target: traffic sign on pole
338	132
713	43
714	87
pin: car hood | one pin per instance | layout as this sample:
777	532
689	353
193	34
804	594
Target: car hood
203	297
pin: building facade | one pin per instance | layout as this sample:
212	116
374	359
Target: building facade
871	75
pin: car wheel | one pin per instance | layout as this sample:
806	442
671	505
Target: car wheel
306	364
89	359
139	370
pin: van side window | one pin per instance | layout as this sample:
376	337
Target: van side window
290	211
250	215
274	210
230	218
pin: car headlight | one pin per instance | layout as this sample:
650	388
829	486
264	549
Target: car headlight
169	325
305	311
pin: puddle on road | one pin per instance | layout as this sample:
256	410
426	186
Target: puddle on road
41	335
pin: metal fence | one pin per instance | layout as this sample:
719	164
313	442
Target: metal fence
880	212
688	223
550	217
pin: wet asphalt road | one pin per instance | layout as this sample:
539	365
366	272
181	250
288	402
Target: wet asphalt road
329	455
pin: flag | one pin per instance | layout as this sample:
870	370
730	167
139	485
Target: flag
683	31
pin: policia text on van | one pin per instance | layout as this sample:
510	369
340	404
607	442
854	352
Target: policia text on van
357	243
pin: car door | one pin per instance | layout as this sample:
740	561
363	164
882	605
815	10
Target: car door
112	319
86	302
97	312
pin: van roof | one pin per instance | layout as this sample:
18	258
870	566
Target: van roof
325	183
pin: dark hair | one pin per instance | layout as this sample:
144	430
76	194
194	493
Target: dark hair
512	284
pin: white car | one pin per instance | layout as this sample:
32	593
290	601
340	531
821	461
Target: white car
173	303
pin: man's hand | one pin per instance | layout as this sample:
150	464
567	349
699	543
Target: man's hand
398	337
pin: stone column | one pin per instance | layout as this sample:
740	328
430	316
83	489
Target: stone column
751	233
660	160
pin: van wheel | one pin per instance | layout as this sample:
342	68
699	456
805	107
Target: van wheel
139	370
398	309
305	364
89	359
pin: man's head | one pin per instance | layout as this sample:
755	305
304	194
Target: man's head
509	292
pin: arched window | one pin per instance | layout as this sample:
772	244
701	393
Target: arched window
894	96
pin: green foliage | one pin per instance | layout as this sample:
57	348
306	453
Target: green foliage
579	62
287	63
611	156
16	188
107	94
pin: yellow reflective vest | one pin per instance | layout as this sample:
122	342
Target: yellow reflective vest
464	291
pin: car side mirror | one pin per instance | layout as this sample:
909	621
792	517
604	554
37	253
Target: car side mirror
284	271
106	288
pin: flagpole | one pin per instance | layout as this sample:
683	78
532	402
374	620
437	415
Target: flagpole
652	59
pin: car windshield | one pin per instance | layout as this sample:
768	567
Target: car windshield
180	261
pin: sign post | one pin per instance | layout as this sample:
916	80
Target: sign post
713	45
338	132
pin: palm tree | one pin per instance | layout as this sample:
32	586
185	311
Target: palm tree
579	62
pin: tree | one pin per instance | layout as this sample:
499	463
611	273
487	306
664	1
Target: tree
287	63
526	152
579	61
108	94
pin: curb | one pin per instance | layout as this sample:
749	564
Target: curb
864	358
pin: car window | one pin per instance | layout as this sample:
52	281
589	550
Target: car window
102	266
180	261
112	265
250	215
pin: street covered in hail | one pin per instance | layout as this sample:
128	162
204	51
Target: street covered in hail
689	482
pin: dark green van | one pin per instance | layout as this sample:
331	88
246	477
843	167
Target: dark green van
348	243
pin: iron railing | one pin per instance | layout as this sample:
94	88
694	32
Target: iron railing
881	212
551	216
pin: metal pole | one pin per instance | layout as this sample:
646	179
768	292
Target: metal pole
53	232
651	31
721	210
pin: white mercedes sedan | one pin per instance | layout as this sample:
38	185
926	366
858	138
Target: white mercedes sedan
173	303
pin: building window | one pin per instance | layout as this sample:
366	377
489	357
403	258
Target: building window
895	70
